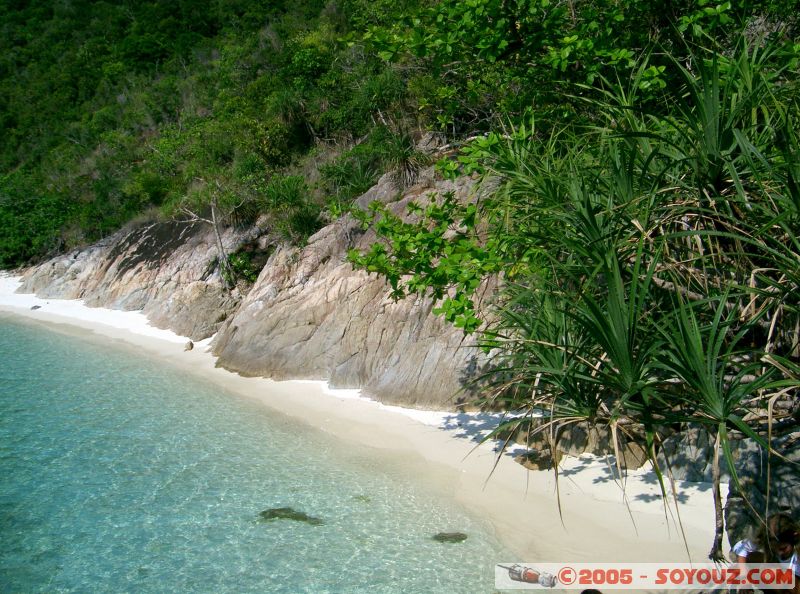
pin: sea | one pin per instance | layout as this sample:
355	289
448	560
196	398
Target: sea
120	473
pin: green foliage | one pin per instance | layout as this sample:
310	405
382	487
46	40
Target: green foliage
295	214
114	109
706	17
355	171
104	103
241	265
650	258
18	215
438	252
404	161
487	58
483	54
350	175
286	192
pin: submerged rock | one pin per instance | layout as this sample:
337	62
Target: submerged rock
288	513
449	537
36	307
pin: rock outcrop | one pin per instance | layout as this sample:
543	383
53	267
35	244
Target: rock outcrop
761	486
308	316
164	269
311	316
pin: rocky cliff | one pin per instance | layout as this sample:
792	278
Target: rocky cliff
308	316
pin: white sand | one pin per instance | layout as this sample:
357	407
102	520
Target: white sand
600	521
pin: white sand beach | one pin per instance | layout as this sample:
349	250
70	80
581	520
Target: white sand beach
601	522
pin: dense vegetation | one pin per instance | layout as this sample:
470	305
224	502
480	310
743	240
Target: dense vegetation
113	110
650	246
641	162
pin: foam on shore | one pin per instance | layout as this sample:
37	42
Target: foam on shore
599	522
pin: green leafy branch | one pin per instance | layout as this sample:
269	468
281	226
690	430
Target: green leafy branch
434	250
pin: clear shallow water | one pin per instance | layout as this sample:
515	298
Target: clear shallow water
118	474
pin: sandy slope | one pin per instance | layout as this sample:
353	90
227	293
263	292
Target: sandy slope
439	448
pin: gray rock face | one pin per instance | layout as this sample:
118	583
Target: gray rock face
311	316
688	455
751	467
164	269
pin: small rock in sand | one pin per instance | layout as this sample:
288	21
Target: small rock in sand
189	346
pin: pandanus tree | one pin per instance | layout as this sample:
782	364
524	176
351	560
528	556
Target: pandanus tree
649	259
719	383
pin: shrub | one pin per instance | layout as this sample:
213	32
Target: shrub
294	213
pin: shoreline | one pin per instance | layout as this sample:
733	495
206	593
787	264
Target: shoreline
601	523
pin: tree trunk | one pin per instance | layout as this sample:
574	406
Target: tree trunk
716	549
224	266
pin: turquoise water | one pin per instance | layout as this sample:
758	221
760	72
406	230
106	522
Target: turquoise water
120	474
